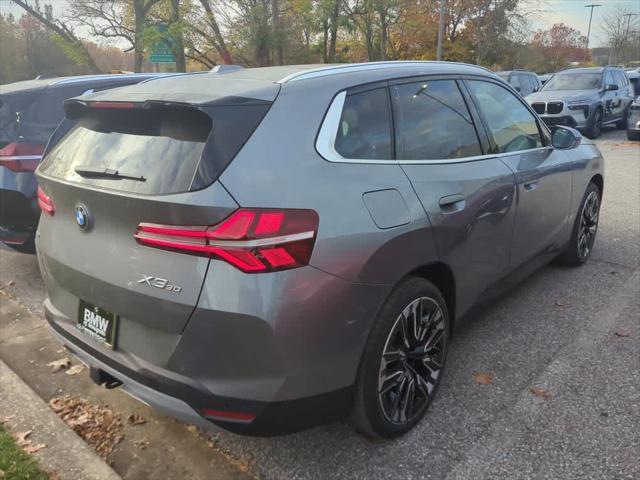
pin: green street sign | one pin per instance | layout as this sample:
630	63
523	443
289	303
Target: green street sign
162	58
161	52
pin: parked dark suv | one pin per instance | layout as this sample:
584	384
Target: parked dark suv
29	113
273	248
523	81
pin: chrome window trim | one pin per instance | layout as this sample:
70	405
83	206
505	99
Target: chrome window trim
325	143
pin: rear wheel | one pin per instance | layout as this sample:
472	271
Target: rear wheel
585	228
595	125
403	361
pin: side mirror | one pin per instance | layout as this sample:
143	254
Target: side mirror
565	138
612	87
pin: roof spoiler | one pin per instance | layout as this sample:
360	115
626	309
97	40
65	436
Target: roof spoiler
77	107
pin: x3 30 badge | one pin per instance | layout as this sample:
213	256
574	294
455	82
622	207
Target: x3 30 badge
157	282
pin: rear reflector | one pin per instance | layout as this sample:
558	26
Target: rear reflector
45	202
252	240
227	415
21	157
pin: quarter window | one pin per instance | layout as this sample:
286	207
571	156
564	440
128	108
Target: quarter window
432	122
511	125
364	131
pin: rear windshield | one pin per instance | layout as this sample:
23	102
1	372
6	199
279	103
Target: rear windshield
165	149
574	81
12	106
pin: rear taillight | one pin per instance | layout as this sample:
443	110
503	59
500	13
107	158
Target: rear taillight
253	240
45	202
21	157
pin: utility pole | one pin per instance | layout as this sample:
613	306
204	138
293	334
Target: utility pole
626	34
586	47
440	30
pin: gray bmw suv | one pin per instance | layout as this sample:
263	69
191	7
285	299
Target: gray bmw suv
273	248
585	98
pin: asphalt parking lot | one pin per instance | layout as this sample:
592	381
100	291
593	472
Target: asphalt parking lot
555	332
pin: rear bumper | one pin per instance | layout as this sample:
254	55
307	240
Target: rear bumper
11	237
184	398
19	211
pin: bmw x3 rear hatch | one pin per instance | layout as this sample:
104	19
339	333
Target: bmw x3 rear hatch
124	164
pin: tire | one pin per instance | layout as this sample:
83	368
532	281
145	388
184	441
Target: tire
414	373
586	220
635	136
28	246
595	125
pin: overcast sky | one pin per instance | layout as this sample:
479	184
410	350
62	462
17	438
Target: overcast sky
570	12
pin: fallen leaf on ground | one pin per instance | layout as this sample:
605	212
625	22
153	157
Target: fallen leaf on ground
560	303
483	378
622	332
21	437
192	428
34	448
142	444
540	392
2	474
98	425
75	369
59	364
6	419
136	419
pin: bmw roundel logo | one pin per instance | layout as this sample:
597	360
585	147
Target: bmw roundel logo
82	216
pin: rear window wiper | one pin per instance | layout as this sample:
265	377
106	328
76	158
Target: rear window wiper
101	172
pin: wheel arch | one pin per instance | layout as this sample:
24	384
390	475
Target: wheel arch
598	181
442	277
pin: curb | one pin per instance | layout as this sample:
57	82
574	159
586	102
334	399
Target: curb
66	453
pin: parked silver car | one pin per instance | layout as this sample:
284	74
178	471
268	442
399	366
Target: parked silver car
585	98
272	248
524	82
633	121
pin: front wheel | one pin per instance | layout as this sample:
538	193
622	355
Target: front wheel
403	360
595	125
585	228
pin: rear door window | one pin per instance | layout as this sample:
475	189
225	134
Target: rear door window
364	131
512	127
432	121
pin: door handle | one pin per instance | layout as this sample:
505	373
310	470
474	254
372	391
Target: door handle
452	203
531	186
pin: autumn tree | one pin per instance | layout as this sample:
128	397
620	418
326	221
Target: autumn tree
68	41
558	46
115	19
